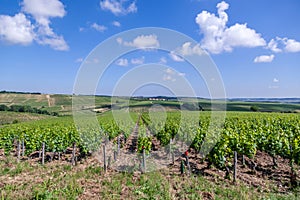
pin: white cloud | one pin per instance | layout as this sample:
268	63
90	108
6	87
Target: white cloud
16	30
173	72
292	45
54	41
169	71
98	27
170	75
19	29
273	45
118	7
283	44
163	60
42	11
181	74
217	37
273	87
175	57
119	40
275	80
187	49
264	58
92	61
81	29
142	41
116	23
138	61
79	60
122	62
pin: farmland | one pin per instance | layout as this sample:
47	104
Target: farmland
267	145
63	103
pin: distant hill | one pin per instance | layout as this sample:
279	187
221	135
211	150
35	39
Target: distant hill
272	100
62	103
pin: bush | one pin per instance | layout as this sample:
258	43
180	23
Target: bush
254	108
3	107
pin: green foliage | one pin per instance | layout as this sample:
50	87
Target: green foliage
277	134
60	133
254	108
144	140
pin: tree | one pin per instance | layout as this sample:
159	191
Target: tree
3	107
254	108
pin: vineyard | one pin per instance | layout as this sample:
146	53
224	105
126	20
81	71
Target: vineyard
163	137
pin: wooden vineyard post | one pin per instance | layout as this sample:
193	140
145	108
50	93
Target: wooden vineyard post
18	150
186	153
73	153
170	148
173	158
144	161
243	160
108	162
235	166
115	155
275	165
293	178
43	153
181	167
119	145
23	148
254	165
104	158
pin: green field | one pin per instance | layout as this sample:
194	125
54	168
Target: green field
15	117
257	136
267	144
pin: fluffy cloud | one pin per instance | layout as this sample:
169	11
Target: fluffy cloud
175	57
98	27
118	7
122	62
187	49
55	42
292	45
273	45
264	58
141	42
170	75
162	60
284	44
16	30
116	23
42	11
217	37
138	61
275	80
20	30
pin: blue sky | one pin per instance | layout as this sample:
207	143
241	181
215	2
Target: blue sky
255	44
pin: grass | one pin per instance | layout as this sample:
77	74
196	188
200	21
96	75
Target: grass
15	117
56	180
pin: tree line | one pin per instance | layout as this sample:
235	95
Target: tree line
27	109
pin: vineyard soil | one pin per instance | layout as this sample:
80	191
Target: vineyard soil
87	180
